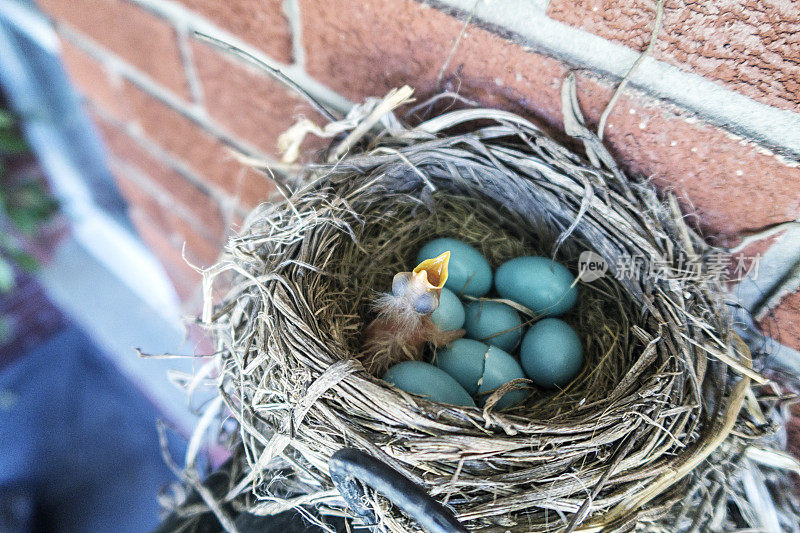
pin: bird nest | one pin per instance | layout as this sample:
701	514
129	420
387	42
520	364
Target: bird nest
647	434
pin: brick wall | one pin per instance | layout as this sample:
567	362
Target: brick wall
713	115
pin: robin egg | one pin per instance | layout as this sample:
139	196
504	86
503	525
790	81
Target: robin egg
427	380
551	353
468	271
494	323
481	368
450	313
540	284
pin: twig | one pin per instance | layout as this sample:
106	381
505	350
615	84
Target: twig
455	45
269	69
601	125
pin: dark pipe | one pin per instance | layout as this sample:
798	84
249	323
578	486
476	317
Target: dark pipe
348	466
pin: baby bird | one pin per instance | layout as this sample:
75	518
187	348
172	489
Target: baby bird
404	324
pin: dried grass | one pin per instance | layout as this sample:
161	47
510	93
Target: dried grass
652	432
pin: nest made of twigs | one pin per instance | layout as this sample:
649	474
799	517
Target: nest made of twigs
630	440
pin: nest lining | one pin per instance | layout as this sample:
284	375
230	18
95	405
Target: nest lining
622	444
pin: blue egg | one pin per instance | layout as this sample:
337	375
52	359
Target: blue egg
463	359
450	313
551	353
481	368
424	379
486	321
500	368
540	284
468	271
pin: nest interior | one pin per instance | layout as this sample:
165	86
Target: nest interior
624	443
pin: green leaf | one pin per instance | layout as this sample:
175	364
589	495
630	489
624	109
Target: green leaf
11	142
8	244
28	205
6	119
6	276
26	221
25	261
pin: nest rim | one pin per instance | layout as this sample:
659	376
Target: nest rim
332	375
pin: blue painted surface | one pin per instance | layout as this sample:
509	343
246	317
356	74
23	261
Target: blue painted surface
53	117
80	451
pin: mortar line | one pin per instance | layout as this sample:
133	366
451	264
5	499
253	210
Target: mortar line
174	12
788	285
775	129
143	180
778	355
192	112
291	8
226	201
195	87
776	266
223	199
785	357
118	68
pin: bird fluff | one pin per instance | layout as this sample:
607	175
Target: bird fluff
403	325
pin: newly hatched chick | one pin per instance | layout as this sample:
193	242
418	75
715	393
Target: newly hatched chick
404	322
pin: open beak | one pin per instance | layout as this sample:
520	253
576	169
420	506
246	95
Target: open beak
433	272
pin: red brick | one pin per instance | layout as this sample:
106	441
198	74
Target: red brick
179	231
204	153
201	339
361	51
136	196
749	46
367	49
748	260
725	185
249	104
261	23
256	188
206	210
783	321
201	251
92	79
139	37
184	278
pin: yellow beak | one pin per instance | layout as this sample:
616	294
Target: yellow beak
433	272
